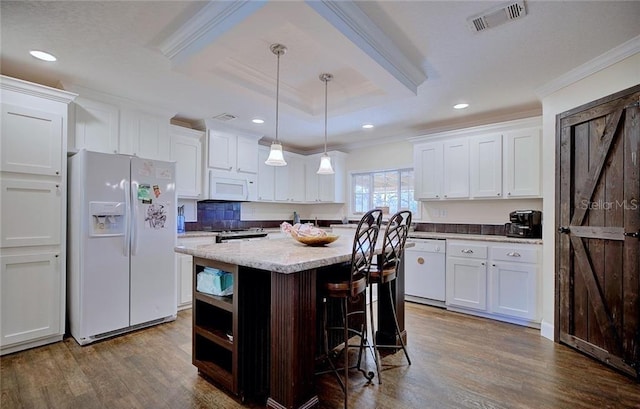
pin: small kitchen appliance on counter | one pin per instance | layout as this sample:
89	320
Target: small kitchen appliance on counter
525	224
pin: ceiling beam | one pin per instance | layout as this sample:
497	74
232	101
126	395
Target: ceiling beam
353	23
206	26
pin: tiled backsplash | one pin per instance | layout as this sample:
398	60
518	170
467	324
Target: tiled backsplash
490	229
226	215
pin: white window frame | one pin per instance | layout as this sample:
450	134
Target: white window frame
370	173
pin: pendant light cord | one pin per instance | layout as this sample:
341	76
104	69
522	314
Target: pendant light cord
277	93
326	83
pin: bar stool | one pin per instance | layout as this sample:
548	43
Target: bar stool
385	271
349	283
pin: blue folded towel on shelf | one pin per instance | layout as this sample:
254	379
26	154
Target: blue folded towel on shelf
214	281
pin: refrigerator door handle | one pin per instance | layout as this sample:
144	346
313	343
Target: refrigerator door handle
134	219
127	219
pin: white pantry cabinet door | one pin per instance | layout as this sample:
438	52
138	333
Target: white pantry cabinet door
97	126
522	163
31	141
456	169
485	161
30	213
32	293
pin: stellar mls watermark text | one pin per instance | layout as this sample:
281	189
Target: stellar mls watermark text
632	204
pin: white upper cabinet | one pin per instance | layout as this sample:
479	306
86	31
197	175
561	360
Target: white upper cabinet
186	150
522	162
247	155
232	153
325	188
32	141
266	177
111	124
289	181
456	169
492	161
97	126
144	135
428	170
485	161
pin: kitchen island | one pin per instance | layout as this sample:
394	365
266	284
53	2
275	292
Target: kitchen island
270	321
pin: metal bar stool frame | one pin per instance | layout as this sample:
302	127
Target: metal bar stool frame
385	272
352	286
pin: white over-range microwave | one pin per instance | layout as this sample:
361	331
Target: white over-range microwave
233	188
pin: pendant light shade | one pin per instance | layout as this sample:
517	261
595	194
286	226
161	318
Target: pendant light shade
325	161
276	157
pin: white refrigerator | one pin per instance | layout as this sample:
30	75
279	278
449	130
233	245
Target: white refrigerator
121	239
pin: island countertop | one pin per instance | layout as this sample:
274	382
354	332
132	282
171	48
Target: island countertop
279	255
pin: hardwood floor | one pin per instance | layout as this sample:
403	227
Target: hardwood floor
459	361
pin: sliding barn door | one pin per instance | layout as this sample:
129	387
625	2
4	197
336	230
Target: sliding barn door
598	222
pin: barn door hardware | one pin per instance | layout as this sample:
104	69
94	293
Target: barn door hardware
633	234
563	229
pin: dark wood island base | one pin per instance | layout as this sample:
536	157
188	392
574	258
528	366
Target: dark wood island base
260	344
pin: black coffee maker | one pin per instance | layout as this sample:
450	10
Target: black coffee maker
525	224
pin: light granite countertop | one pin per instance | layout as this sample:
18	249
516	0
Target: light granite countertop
279	255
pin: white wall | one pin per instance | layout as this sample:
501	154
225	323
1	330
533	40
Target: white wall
612	79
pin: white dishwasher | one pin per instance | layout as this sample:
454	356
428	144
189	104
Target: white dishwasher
424	269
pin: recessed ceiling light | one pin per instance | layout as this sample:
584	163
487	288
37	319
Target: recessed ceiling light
41	55
367	126
460	106
257	121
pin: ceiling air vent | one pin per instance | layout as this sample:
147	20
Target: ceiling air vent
225	117
496	16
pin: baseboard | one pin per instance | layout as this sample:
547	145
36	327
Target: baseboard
547	330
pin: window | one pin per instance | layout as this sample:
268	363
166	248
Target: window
387	188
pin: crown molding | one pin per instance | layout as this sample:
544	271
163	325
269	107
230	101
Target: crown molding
354	24
204	27
601	62
36	90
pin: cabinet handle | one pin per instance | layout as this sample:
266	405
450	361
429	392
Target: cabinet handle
499	194
493	265
509	194
482	263
420	260
467	251
513	254
437	196
57	255
57	172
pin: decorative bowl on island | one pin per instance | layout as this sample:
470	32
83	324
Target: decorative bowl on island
314	240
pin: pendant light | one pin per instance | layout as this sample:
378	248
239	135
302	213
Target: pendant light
276	157
325	160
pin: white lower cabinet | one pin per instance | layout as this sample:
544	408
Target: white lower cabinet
184	269
32	312
494	280
514	281
467	275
